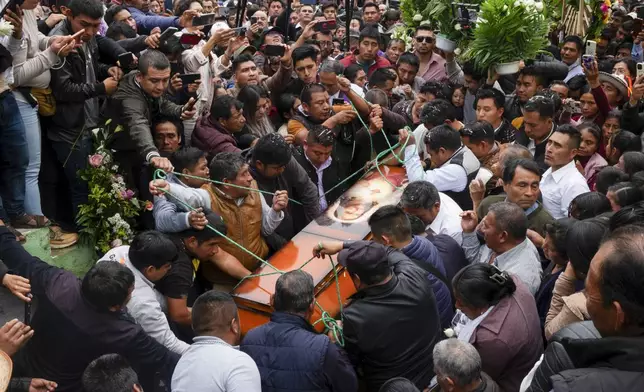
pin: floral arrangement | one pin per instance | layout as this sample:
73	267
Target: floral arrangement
403	33
508	31
6	28
600	15
109	216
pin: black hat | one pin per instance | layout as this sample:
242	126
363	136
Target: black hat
363	257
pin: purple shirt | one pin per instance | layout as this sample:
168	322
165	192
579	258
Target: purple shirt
435	69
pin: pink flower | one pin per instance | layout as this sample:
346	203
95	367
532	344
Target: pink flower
149	206
127	194
604	8
96	160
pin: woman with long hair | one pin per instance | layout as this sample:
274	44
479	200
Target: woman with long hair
256	107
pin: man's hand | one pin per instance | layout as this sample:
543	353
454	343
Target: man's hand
286	58
280	200
330	333
344	84
193	87
156	30
221	36
375	110
492	76
255	29
162	163
536	238
197	219
477	191
234	44
469	221
40	385
409	92
189	110
375	124
175	84
308	31
115	72
18	285
53	19
403	134
638	91
290	139
15	18
13	335
344	117
111	85
157	187
185	20
62	46
327	248
592	74
153	40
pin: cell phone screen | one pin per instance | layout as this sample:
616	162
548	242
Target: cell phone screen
189	78
204	19
126	60
274	50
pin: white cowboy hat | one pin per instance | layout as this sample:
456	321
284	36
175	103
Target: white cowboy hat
616	81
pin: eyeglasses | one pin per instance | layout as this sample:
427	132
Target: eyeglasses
429	40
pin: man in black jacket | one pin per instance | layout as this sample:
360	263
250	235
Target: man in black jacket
391	324
609	354
538	125
78	321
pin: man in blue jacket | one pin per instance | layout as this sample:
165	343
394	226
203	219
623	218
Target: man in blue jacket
78	321
289	353
146	20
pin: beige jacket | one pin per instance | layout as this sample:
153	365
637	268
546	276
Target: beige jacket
566	307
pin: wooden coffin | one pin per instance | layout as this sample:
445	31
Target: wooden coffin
345	220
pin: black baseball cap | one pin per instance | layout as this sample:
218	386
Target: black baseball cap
363	257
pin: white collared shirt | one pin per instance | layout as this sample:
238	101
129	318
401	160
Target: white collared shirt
557	193
448	220
320	172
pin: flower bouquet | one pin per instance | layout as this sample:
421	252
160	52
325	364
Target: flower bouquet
109	215
586	18
508	31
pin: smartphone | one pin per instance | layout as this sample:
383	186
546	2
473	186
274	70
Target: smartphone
637	26
587	60
169	32
190	105
253	20
241	31
190	39
338	102
591	48
640	12
11	5
189	78
640	70
325	25
274	50
28	311
126	60
204	19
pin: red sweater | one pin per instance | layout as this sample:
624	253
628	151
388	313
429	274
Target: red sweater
381	62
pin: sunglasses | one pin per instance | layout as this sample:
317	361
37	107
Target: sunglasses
429	40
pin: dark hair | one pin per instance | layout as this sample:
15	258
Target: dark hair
437	112
158	120
294	292
420	194
479	131
438	90
481	285
423	27
390	221
284	105
558	230
369	31
626	141
107	285
496	95
304	52
626	193
469	68
409	58
558	83
370	4
307	93
377	96
272	149
540	104
531	70
153	59
416	224
625	45
90	8
226	166
629	215
578	83
511	165
207	233
556	99
380	77
633	162
181	6
582	242
222	107
589	205
592	128
212	312
510	218
118	29
621	273
276	1
608	176
351	72
398	384
573	134
152	248
321	135
579	43
111	13
186	158
249	96
443	136
615	113
239	60
109	373
328	4
630	64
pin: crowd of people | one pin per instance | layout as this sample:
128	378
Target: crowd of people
512	262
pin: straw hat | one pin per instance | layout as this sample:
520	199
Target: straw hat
6	367
616	81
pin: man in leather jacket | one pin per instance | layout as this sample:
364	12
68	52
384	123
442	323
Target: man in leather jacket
606	354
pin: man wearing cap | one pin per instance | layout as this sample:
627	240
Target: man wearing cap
392	323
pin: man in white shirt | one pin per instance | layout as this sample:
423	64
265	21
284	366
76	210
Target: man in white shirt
150	258
562	182
454	166
438	211
214	363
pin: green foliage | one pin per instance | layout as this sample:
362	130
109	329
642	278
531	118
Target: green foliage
437	13
109	215
508	30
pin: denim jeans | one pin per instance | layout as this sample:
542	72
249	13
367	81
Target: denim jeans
73	160
14	156
29	116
